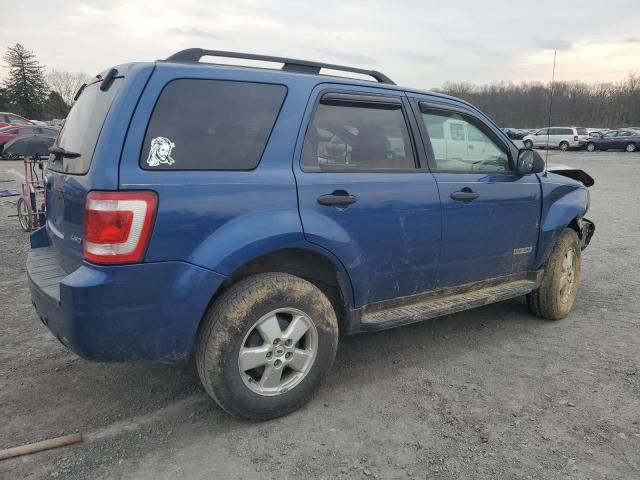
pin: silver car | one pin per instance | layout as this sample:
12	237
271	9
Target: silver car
563	138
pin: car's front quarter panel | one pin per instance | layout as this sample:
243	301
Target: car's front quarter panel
563	201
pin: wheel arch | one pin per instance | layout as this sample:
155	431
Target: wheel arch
309	262
564	206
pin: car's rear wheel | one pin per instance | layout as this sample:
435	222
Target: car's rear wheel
556	294
266	345
564	146
591	147
630	147
528	144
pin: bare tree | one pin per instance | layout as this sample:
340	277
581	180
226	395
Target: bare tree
66	84
525	105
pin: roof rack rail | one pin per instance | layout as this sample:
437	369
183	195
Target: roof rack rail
193	55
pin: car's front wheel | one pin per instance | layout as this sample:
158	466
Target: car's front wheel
556	294
266	345
591	147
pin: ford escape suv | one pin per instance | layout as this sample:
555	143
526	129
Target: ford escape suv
245	217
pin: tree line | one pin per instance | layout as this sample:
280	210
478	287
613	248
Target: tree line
30	91
526	105
34	93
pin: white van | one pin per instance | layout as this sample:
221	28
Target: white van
459	141
563	138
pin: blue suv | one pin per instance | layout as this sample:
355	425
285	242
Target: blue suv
247	217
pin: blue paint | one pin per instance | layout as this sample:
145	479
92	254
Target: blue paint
403	236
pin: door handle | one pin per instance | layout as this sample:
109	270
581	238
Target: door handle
464	195
337	198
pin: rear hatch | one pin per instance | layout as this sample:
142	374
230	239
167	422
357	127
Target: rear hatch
69	178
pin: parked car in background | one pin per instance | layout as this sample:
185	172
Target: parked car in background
7	119
563	138
192	213
597	132
514	133
56	122
627	140
12	132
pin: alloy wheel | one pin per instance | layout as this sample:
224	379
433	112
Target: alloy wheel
278	351
568	275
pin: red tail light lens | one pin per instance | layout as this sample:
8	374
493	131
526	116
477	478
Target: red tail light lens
117	226
575	138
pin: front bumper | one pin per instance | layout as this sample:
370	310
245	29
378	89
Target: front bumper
148	311
587	229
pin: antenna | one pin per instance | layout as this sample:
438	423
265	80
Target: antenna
553	79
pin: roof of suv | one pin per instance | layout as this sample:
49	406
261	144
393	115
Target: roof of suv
294	67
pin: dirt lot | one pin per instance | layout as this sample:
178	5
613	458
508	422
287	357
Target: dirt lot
490	393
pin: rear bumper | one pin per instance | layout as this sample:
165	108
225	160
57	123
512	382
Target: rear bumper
148	311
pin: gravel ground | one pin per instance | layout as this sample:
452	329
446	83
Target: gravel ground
489	393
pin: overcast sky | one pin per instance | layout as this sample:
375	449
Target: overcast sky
417	43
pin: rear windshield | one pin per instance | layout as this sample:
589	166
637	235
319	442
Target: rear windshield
211	125
82	127
582	131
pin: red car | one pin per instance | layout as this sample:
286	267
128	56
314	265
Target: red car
8	119
9	133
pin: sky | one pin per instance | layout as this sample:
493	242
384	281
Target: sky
421	44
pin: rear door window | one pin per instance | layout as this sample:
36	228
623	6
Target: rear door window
83	126
211	125
352	135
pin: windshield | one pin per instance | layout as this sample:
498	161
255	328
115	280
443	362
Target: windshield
82	128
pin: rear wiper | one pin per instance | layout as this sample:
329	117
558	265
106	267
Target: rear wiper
60	153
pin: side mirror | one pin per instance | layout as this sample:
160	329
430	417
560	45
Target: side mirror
529	162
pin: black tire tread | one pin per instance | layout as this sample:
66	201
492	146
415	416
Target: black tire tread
240	296
544	302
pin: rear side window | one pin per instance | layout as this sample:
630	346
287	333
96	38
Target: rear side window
560	131
16	120
582	131
355	138
211	125
82	128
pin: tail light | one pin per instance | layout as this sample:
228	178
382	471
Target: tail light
575	138
117	226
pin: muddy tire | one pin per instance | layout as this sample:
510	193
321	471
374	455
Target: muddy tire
554	298
266	345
